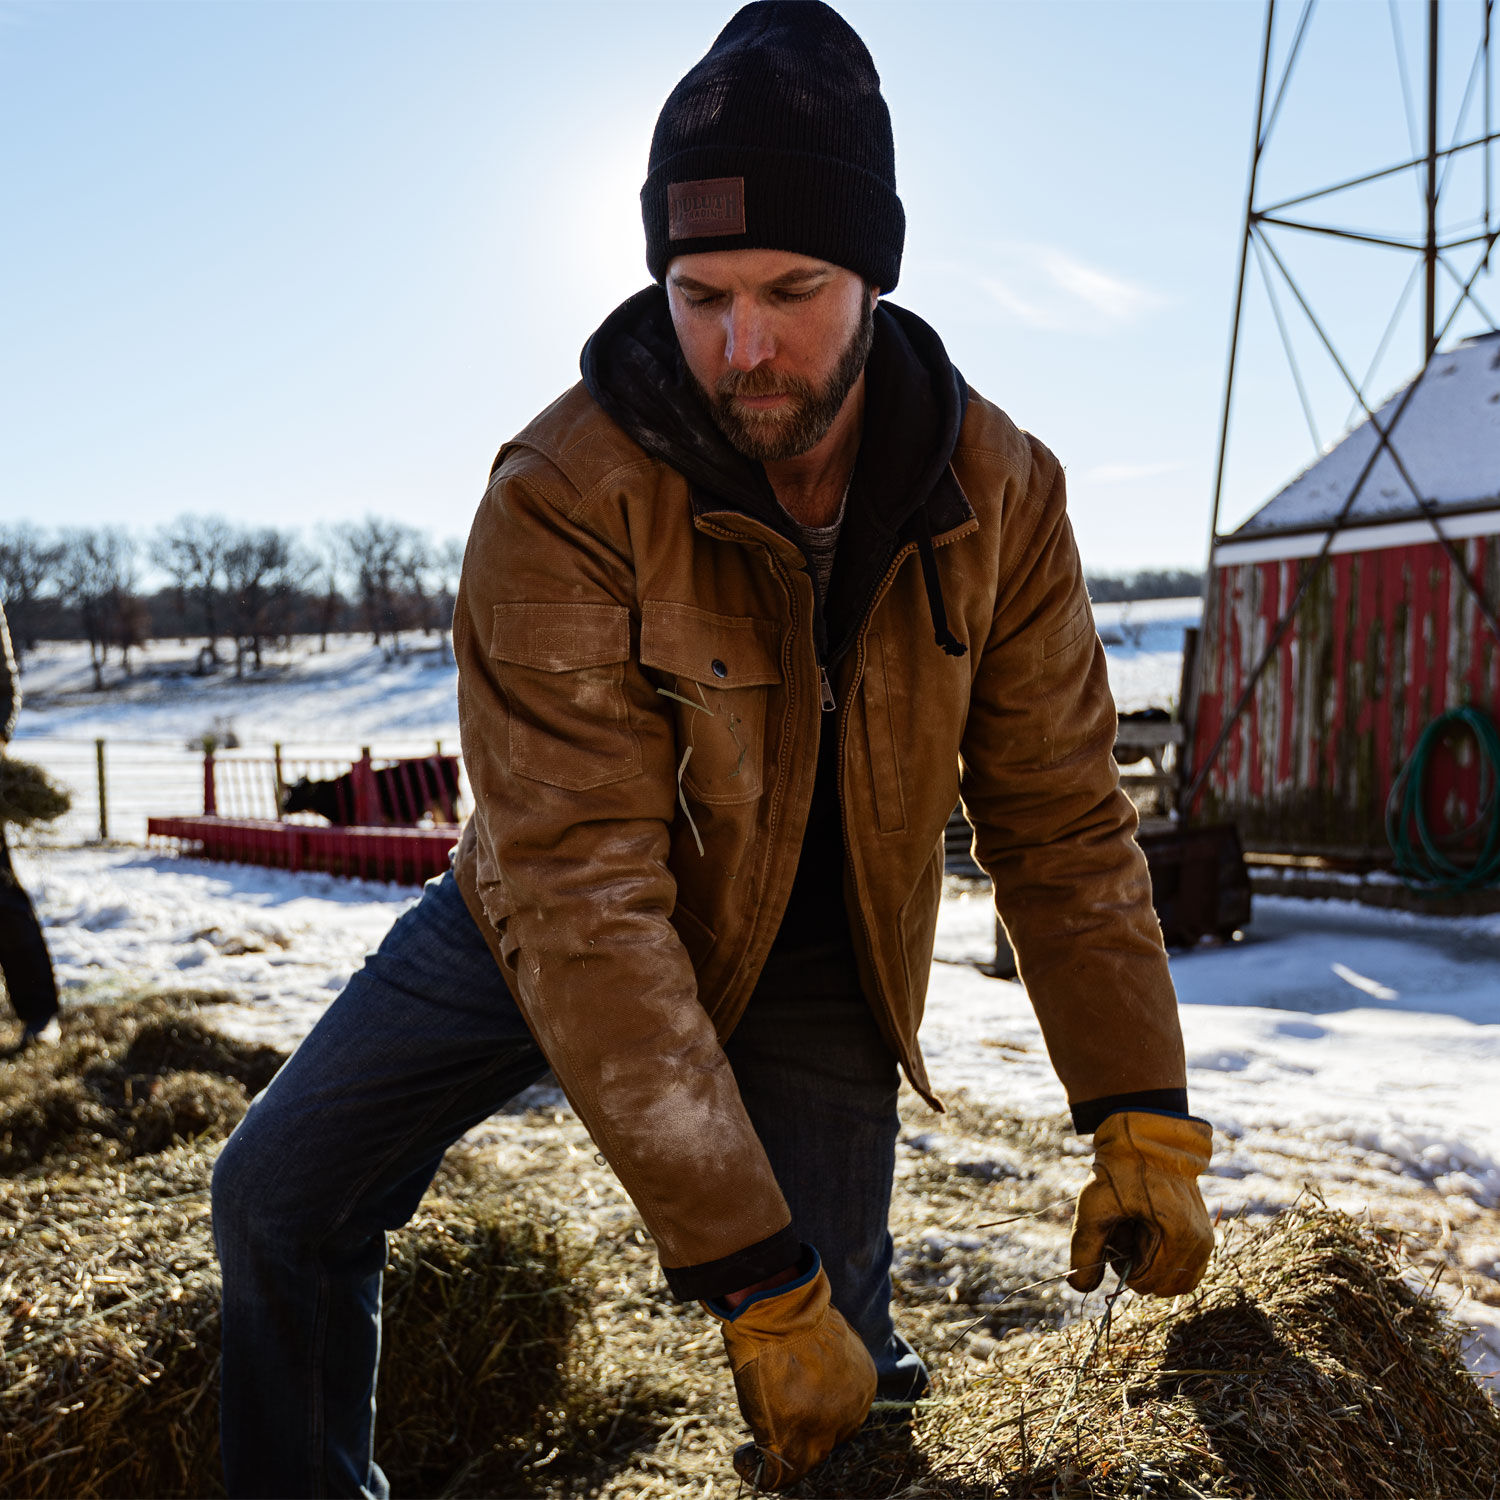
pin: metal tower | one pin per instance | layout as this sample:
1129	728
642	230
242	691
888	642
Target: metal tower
1449	255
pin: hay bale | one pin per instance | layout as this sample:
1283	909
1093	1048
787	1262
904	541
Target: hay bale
174	1041
109	1337
127	1079
1307	1364
108	1331
28	795
481	1310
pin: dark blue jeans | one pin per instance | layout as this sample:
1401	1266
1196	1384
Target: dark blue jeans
424	1042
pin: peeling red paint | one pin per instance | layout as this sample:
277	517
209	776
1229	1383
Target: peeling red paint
1383	642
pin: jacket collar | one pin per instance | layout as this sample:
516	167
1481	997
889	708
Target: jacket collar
902	489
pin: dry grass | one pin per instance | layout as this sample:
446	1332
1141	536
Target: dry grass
1307	1364
533	1350
109	1337
126	1080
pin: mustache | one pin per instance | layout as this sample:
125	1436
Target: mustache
758	383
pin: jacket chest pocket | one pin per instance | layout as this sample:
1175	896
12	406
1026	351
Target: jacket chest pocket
562	669
717	671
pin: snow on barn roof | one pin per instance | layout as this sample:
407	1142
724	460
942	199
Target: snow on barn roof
1448	440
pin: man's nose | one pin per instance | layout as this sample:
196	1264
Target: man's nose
747	337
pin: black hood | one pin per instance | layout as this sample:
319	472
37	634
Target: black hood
901	490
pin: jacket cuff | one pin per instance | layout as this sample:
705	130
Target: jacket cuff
808	1269
1092	1113
713	1278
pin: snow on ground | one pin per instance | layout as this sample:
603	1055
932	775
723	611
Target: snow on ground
282	944
1398	1058
352	691
1143	644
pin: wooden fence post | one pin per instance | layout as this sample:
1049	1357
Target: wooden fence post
103	792
364	789
280	783
210	803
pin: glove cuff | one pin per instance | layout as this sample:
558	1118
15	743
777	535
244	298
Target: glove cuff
809	1264
1181	1143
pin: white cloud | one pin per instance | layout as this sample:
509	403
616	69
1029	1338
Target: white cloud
1113	297
1022	308
1123	473
1049	288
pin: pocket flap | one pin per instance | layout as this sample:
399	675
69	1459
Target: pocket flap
724	651
560	637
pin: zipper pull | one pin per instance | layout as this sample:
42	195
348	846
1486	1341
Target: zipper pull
829	704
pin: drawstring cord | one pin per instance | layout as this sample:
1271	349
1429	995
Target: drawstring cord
939	611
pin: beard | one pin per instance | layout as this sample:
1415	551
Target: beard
802	422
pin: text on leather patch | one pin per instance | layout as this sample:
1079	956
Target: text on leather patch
698	209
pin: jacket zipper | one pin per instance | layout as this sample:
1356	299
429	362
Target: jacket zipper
789	589
829	705
843	730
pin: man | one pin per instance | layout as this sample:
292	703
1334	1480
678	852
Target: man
25	963
740	615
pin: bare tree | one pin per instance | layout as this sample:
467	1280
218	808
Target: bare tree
414	569
374	551
255	585
191	551
28	563
325	556
97	578
447	564
263	570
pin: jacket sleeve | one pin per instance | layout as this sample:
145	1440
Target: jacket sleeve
572	762
1056	833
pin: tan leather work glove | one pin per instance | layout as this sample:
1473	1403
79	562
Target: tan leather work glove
1142	1205
803	1379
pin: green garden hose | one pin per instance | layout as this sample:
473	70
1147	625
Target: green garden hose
1420	855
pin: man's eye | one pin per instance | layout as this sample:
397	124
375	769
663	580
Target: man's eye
786	296
706	299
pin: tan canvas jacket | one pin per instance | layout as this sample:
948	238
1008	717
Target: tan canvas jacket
637	681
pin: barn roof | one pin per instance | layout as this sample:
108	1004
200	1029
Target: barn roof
1448	440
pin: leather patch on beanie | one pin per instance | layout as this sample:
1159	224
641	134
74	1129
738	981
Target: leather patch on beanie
696	210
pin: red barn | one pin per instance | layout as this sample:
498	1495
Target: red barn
1396	624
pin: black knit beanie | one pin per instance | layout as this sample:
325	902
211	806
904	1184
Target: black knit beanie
778	140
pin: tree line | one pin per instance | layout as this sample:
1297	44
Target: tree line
1149	583
241	589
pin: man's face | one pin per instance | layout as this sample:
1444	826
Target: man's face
774	342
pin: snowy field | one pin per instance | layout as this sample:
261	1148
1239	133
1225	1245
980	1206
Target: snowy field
304	695
1143	642
1354	1051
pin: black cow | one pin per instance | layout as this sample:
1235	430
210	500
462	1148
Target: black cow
401	793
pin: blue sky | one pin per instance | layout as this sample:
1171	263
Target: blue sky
297	262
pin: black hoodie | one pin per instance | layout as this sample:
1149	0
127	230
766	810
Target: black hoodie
902	490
